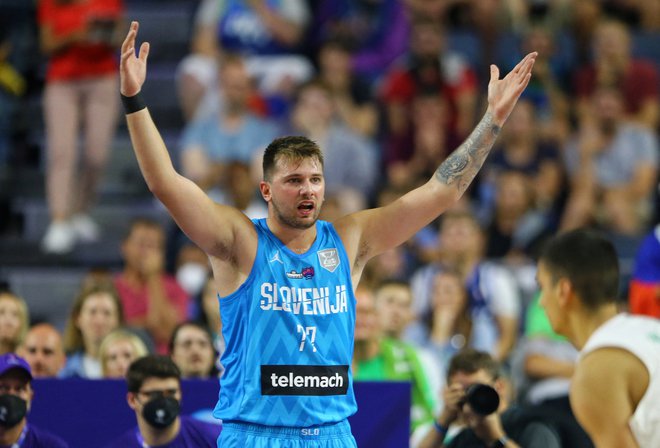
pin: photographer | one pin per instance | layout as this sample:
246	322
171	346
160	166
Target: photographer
477	412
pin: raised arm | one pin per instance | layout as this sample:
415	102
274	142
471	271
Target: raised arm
213	227
371	232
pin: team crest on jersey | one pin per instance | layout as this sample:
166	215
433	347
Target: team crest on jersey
306	273
329	259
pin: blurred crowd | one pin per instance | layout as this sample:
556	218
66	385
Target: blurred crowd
388	88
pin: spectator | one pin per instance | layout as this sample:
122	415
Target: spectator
516	227
313	116
377	31
378	358
613	167
154	393
192	269
18	58
118	350
80	40
14	321
393	299
351	94
644	287
613	66
449	326
493	295
96	311
232	134
16	396
429	71
550	83
43	350
508	426
151	299
521	150
267	33
191	349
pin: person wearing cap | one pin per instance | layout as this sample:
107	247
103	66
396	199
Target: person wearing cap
154	393
15	399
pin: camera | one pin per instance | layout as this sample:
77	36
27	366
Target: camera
482	398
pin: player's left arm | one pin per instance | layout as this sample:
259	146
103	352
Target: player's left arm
374	231
604	394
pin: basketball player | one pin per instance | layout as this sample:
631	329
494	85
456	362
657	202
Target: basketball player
616	386
286	282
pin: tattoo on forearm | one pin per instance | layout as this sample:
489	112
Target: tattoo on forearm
464	163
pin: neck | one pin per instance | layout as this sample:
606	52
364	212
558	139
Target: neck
91	347
7	346
585	323
9	436
366	349
156	437
298	240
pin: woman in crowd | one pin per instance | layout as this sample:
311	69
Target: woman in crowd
95	313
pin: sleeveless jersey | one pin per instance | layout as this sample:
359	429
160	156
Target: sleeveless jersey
640	336
289	335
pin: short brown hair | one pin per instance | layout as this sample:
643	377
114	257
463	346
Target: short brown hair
291	148
471	361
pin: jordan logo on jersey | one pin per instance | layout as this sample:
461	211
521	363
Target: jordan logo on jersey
329	259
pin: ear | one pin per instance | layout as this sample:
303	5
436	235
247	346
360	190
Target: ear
264	188
30	397
565	293
131	399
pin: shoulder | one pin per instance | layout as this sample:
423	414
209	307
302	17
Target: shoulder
607	376
38	437
126	440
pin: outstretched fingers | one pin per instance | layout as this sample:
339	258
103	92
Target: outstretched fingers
524	61
129	41
144	51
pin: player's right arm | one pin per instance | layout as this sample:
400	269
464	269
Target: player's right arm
213	227
603	393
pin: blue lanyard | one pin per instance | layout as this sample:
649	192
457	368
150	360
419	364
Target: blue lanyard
21	438
140	439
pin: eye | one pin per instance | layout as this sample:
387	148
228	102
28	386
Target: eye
316	180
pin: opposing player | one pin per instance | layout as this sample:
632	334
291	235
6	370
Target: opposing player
616	386
286	282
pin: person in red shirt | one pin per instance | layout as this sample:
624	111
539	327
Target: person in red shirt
151	299
80	38
429	78
614	66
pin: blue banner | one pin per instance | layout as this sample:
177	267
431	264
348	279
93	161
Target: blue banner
92	413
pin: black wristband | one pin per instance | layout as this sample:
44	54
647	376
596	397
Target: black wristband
132	103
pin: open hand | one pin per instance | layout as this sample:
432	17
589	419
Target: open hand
503	93
132	68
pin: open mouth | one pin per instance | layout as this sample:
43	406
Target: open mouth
306	207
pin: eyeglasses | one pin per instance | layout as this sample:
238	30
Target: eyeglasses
157	393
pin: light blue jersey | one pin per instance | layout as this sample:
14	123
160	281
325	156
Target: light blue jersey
289	335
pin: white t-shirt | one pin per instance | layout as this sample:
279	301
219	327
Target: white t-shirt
640	336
